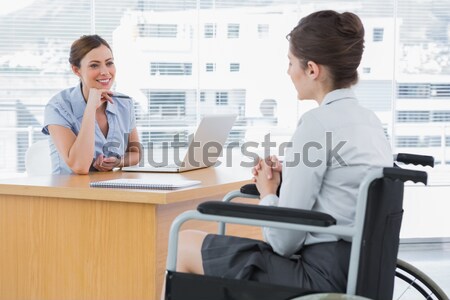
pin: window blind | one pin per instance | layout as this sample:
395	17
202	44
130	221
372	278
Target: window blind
33	67
180	60
422	80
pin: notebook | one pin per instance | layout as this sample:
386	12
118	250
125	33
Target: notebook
154	184
212	132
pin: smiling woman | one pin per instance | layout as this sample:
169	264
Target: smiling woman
83	119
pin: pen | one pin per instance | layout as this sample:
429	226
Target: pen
121	96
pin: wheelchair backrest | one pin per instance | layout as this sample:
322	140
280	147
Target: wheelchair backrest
380	239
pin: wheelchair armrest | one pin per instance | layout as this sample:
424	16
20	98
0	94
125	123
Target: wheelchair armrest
405	175
415	159
250	189
268	213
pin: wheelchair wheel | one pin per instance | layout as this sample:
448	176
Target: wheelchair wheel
411	283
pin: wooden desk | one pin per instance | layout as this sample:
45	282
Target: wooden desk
61	239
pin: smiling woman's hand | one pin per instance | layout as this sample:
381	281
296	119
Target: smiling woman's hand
105	164
99	96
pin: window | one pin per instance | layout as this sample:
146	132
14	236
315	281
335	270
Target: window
413	116
158	30
167	103
233	31
153	41
418	141
414	90
407	141
210	67
167	68
234	67
221	98
440	116
440	90
378	34
263	31
210	31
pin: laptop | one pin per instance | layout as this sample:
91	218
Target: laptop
203	150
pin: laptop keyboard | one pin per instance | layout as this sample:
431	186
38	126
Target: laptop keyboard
171	166
166	166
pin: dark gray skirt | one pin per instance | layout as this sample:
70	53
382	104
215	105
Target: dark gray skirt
319	267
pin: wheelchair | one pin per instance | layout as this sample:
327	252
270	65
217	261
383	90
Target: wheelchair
374	236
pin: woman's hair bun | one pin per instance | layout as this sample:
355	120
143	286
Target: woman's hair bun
332	39
350	25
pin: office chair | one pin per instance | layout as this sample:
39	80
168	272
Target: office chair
374	236
37	159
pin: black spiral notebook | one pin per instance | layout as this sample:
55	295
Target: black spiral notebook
132	183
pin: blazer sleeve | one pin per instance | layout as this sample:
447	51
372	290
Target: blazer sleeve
303	170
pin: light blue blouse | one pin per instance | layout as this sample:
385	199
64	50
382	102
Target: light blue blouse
67	108
316	179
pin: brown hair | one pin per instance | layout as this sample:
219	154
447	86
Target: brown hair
83	45
332	39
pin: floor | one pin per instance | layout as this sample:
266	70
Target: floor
433	258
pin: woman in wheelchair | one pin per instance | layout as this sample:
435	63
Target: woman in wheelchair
332	149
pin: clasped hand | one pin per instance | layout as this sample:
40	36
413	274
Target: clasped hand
105	164
267	175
